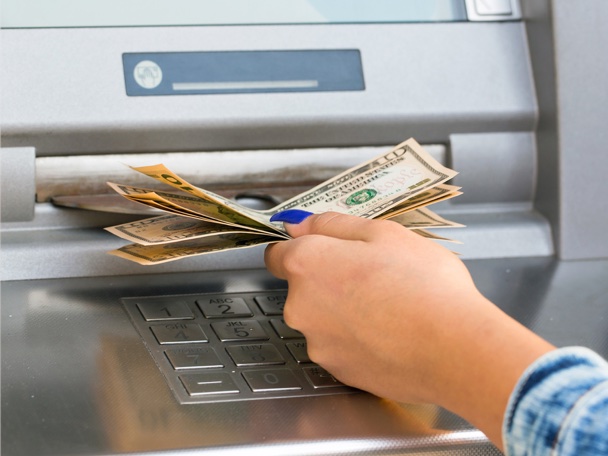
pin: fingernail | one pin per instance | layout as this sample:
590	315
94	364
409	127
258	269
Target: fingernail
294	216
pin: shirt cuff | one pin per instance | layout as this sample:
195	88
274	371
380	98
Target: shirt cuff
545	397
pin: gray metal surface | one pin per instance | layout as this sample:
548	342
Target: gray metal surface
568	48
422	80
76	378
494	168
18	183
583	100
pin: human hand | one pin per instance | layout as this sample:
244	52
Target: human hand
390	312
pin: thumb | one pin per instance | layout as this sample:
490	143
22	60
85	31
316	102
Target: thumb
333	224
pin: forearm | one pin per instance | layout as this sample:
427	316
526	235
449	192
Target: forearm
481	363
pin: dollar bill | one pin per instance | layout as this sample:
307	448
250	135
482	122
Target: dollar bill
397	185
374	187
162	253
436	237
431	196
166	229
192	206
228	207
423	218
176	228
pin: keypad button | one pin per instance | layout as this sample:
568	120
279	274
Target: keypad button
320	378
193	358
159	310
271	304
233	330
255	355
179	333
271	380
223	307
298	351
208	384
284	331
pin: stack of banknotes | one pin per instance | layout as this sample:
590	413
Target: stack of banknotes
397	185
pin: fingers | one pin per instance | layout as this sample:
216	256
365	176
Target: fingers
332	224
282	258
273	257
319	232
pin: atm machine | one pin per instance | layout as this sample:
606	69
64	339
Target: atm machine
259	101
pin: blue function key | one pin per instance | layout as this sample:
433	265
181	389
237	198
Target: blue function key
271	303
223	307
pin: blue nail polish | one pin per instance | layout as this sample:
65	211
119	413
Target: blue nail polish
294	216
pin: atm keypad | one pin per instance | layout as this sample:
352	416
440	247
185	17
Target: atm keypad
228	347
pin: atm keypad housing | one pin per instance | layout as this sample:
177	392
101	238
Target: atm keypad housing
228	347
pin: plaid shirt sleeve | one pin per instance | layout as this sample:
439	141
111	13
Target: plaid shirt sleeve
559	406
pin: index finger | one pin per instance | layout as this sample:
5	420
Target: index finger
273	258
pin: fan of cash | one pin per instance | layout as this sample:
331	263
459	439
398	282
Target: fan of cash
396	185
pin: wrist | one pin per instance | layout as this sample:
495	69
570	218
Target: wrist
481	366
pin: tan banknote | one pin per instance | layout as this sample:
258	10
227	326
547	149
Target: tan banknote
166	229
175	228
423	218
431	196
162	253
193	206
436	237
372	188
226	206
397	185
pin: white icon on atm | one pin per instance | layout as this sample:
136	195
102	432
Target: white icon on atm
147	74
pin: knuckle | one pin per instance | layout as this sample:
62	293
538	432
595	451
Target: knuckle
324	219
293	263
297	262
387	230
